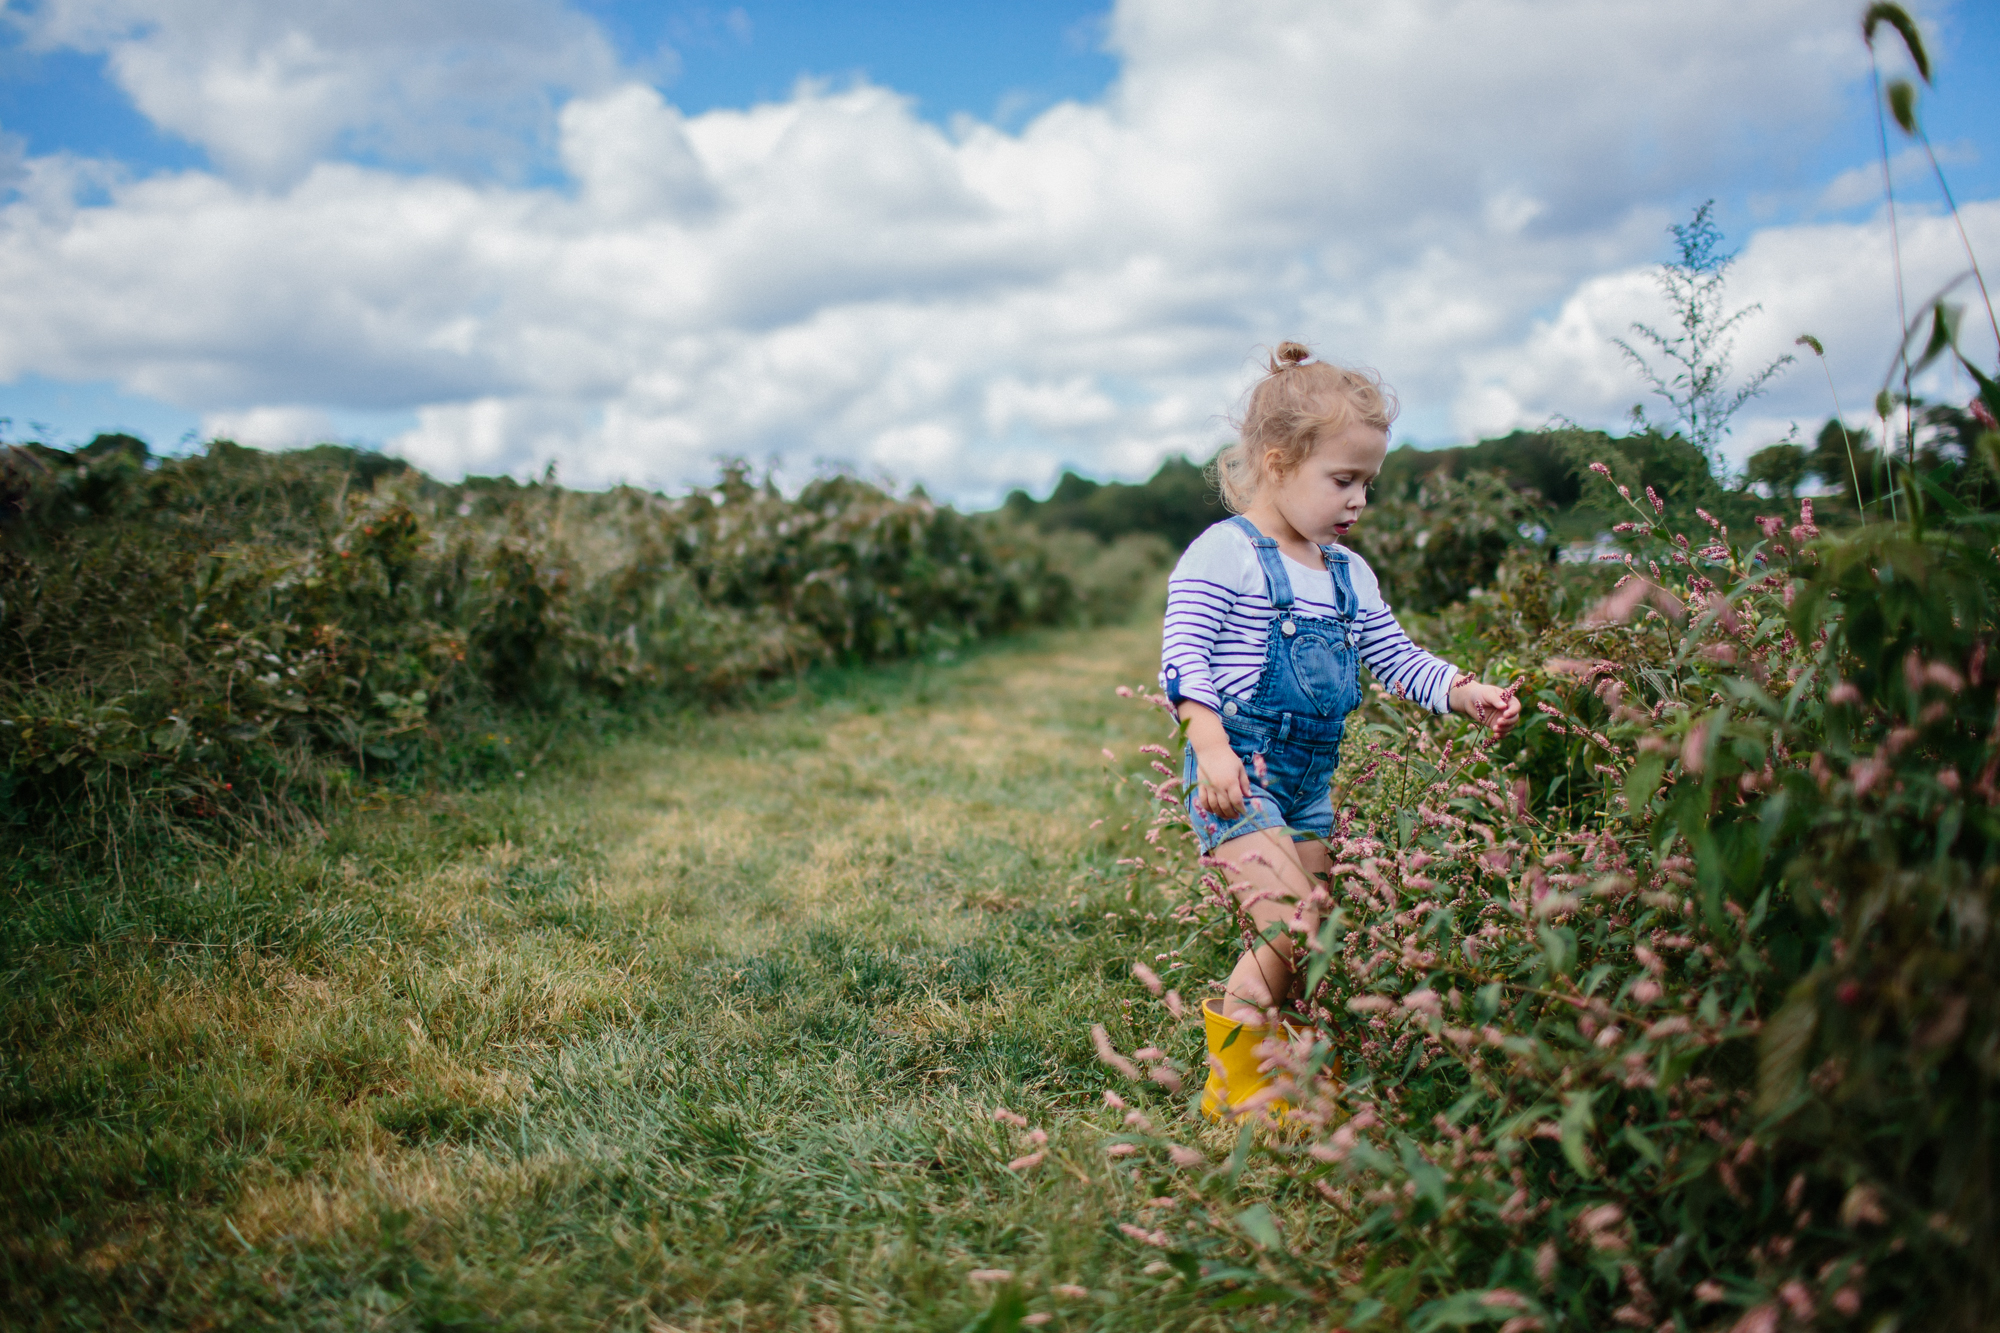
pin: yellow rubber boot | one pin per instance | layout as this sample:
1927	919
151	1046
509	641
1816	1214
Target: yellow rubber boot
1233	1045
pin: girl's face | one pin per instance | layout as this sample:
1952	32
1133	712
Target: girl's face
1323	497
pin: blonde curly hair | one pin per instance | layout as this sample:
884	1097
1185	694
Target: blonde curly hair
1286	412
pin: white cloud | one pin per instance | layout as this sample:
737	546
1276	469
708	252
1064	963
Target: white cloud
267	86
1463	195
271	427
1832	280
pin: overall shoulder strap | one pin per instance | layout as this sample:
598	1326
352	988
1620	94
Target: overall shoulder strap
1276	581
1345	599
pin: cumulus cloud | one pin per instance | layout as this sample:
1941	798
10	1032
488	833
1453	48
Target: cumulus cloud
268	86
1832	280
1463	195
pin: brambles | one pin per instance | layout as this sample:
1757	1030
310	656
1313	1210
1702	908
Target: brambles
1679	1007
214	644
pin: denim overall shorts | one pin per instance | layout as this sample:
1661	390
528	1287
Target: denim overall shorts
1311	681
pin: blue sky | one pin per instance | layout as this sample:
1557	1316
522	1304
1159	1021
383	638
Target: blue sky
999	63
1134	178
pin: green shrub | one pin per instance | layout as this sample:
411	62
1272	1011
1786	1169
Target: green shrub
217	643
1677	1009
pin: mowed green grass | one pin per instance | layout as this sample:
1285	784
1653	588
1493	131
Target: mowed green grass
704	1031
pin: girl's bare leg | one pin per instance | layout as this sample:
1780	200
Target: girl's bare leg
1275	877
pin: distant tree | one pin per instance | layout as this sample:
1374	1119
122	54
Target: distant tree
1695	377
1177	502
1782	467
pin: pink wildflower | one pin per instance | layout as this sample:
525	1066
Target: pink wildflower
1109	1053
1157	1239
1760	1319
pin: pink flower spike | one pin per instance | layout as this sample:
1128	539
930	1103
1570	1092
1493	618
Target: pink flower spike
990	1275
1601	470
1007	1117
1147	977
1106	752
1113	1100
1762	1319
1109	1053
1157	1239
1069	1291
1028	1163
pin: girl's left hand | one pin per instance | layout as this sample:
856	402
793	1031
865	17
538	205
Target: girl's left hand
1489	705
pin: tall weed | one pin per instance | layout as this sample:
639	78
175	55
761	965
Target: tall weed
1677	1009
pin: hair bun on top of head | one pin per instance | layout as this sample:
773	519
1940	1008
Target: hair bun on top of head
1289	354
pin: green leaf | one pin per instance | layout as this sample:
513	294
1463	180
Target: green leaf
1257	1223
1559	946
1265	1295
1782	1048
1945	318
1643	1146
1903	105
1578	1121
1240	1156
1428	1179
1898	18
1643	781
1004	1315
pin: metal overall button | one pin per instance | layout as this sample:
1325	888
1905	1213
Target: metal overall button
1288	628
1229	709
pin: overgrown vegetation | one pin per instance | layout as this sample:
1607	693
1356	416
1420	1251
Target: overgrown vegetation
1677	1008
203	647
1680	1008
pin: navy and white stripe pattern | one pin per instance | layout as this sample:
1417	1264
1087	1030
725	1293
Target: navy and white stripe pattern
1219	614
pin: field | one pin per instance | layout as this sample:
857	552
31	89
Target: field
701	1031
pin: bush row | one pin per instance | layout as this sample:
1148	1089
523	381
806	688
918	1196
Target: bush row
220	641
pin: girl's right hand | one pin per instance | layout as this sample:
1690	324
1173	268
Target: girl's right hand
1223	784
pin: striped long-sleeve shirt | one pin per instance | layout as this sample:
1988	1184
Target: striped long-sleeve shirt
1219	614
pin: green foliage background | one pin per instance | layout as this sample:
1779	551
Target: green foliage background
201	647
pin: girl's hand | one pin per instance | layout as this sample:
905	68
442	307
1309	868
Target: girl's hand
1488	705
1224	785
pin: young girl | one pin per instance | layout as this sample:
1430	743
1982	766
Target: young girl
1267	624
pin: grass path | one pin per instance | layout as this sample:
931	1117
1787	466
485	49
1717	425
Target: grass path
703	1034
